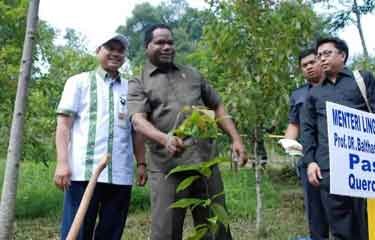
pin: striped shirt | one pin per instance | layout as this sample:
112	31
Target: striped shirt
101	125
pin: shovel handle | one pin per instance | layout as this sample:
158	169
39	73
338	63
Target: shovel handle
81	212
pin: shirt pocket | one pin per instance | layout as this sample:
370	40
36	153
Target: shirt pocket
321	108
158	93
121	113
192	94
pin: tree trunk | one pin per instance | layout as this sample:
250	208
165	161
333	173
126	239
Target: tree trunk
8	197
359	27
257	184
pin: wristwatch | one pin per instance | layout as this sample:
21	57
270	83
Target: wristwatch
141	164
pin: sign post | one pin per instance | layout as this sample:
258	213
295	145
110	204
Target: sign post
351	138
371	218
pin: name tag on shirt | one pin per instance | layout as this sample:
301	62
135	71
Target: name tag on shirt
122	114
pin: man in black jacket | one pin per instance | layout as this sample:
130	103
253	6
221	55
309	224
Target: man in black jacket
314	209
346	215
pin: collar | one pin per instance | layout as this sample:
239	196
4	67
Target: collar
308	84
345	72
105	76
149	68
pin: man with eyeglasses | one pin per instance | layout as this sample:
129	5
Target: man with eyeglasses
346	215
93	122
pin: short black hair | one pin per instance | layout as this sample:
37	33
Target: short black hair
149	32
339	44
306	52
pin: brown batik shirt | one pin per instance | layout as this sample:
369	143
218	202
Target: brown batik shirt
161	95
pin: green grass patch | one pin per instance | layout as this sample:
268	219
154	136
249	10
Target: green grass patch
36	194
240	193
140	200
38	197
39	204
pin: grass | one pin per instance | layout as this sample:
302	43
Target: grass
36	194
39	204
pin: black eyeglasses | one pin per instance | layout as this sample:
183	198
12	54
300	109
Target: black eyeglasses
325	53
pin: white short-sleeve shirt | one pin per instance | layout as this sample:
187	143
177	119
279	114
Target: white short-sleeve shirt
101	125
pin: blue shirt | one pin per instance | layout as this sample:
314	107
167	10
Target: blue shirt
98	105
297	100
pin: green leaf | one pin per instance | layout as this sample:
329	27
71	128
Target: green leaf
215	161
198	233
212	220
207	202
199	125
205	171
213	224
186	183
199	226
217	195
220	212
203	168
187	202
185	168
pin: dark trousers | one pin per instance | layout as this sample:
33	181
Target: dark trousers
314	209
167	223
347	216
109	201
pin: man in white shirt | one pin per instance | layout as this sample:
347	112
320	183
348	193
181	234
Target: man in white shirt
93	122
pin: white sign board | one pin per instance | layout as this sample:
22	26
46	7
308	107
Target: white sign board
351	138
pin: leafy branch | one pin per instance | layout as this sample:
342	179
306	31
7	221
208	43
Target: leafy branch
200	124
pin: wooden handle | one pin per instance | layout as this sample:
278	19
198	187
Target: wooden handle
80	215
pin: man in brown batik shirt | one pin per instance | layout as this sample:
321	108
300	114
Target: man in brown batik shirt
155	101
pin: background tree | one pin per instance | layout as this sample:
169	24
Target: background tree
8	196
249	52
53	65
187	24
12	32
349	12
362	62
59	63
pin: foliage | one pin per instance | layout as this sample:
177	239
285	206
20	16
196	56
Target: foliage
203	168
37	196
350	12
248	52
346	10
283	207
186	23
52	66
237	54
199	124
12	33
45	92
218	213
363	63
